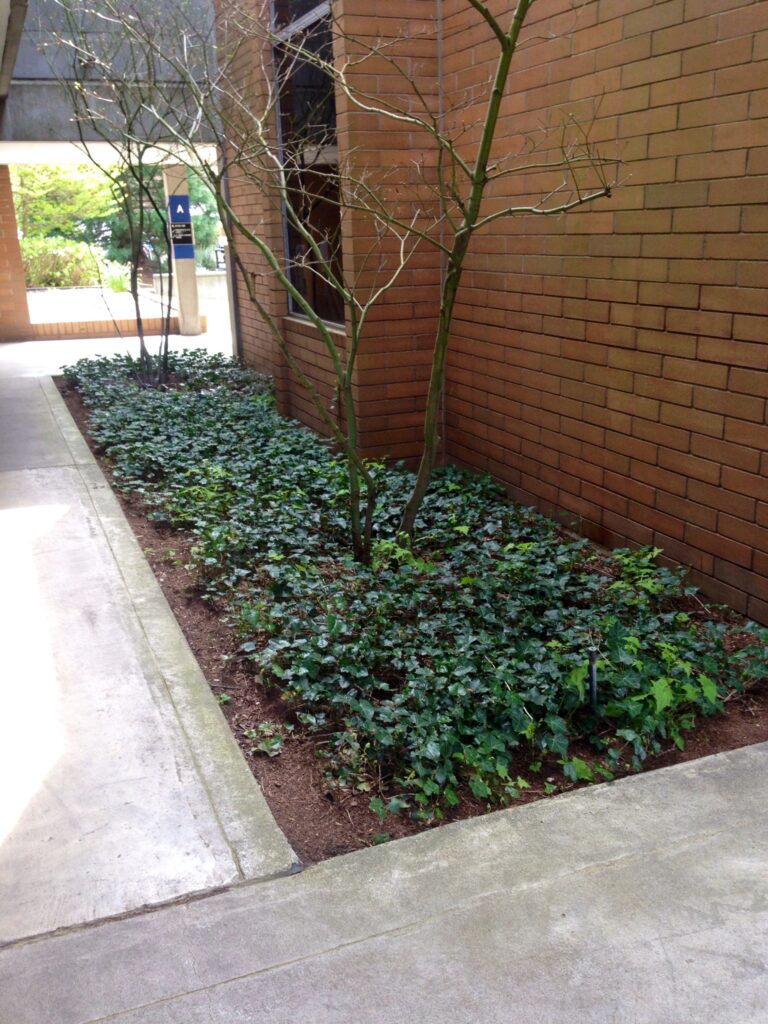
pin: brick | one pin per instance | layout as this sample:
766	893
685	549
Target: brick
688	510
637	316
757	160
739	191
757	610
685	36
660	479
608	378
744	21
697	420
658	16
742	78
679	295
643	221
751	275
662	435
644	363
751	435
728	403
754	218
735	576
677	194
746	483
748	533
710	220
748	134
646	122
722	499
608	459
713	271
683	89
717	545
634	447
690	140
748	382
580	391
752	301
694	372
675	247
623	54
657	520
725	452
690	466
717	110
686	321
733	353
654	69
667	343
679	553
718	55
633	405
664	390
638	492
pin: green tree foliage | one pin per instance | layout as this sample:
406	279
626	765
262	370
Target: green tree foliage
78	203
53	200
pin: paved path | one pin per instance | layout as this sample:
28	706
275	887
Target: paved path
640	902
111	740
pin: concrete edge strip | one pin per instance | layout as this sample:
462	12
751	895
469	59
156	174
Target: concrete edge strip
259	847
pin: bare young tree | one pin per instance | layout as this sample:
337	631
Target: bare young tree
264	82
110	88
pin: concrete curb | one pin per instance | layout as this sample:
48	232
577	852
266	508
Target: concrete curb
259	848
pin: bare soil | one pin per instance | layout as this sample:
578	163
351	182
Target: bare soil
319	818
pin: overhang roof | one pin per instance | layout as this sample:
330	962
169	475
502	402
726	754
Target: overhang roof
12	15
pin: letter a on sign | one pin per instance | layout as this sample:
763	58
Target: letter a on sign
179	208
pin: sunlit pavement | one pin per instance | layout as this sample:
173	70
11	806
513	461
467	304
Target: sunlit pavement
123	796
105	803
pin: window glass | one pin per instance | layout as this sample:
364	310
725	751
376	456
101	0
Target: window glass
287	11
308	135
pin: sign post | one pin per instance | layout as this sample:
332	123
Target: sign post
183	245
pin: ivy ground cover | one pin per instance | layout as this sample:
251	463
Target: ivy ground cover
427	673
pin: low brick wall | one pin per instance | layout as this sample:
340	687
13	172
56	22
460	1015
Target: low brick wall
95	329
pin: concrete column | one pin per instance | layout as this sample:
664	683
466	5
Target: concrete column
184	273
14	311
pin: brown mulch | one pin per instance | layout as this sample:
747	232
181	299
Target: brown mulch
319	818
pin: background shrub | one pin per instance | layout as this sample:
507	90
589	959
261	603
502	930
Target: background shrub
60	263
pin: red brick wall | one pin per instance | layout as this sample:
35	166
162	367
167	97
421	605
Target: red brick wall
14	314
611	365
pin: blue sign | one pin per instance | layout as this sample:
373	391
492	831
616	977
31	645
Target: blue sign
179	209
181	227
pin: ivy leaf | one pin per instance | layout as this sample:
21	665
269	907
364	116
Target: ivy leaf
708	688
576	679
662	693
578	770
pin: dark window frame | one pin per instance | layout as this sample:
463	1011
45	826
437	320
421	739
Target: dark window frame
307	126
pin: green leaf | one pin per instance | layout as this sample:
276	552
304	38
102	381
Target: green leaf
378	808
578	770
663	694
708	688
576	679
478	787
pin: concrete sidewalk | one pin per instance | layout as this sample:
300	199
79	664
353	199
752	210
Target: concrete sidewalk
122	786
640	902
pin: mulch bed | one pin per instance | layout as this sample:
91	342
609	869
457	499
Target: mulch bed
319	818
